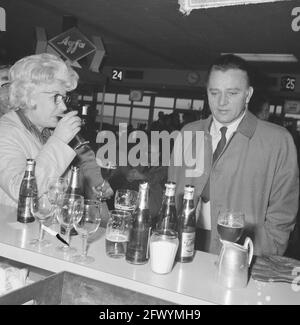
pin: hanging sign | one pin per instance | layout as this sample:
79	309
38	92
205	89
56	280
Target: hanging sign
72	44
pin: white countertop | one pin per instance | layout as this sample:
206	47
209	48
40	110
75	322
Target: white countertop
188	283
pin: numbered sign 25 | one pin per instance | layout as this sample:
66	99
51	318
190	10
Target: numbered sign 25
117	74
288	83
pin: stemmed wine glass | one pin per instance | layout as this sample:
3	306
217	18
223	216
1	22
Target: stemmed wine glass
107	170
42	210
70	207
86	224
56	187
230	225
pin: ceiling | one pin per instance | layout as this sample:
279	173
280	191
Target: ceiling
155	34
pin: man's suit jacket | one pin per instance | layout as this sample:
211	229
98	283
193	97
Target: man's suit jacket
257	173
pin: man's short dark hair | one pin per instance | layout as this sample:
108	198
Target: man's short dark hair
230	61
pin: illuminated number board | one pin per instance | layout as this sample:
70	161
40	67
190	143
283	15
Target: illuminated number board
117	75
288	83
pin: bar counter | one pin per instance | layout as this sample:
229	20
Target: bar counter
192	283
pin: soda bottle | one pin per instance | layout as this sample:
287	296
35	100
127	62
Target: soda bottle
28	192
187	227
73	188
140	228
167	216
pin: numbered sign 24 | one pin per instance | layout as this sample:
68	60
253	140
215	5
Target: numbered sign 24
117	75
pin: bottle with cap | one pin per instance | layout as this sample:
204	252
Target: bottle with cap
140	228
27	193
167	216
187	227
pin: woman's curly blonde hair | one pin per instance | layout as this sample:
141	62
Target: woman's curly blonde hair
31	72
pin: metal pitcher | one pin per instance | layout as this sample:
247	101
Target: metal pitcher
234	262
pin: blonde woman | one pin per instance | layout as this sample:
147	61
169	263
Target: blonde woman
37	96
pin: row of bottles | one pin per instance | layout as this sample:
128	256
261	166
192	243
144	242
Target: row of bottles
184	224
168	222
141	224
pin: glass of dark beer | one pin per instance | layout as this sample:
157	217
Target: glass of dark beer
230	225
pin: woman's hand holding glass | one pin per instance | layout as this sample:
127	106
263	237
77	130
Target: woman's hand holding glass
42	210
87	224
70	208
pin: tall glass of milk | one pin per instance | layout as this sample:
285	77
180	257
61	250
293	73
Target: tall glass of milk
163	248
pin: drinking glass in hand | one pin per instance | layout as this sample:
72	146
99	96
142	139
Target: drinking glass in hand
230	225
42	210
117	233
70	207
125	199
56	187
86	224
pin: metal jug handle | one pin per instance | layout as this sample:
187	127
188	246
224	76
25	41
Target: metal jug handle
248	244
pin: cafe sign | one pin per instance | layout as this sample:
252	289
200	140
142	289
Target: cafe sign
72	44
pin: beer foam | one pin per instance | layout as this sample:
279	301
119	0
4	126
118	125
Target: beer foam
120	238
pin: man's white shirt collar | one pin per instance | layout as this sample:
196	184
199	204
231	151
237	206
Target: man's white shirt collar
231	128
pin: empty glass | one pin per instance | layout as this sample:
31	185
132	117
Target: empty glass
125	199
56	186
42	210
70	207
86	224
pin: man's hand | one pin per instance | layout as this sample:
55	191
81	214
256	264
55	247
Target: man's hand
68	127
103	191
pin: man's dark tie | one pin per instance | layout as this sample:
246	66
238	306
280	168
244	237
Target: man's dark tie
220	146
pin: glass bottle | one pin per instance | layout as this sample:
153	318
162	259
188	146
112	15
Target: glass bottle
167	216
187	227
28	192
139	230
73	188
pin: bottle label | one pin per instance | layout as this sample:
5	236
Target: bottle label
188	195
24	213
187	244
170	191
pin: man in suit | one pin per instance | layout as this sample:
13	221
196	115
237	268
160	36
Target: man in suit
250	165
